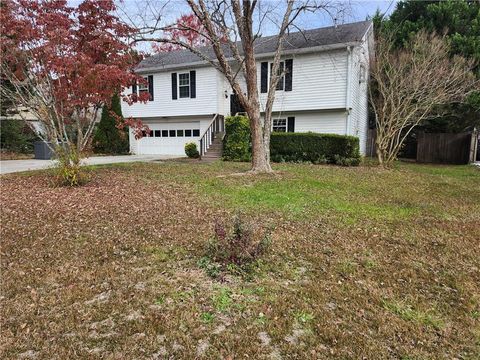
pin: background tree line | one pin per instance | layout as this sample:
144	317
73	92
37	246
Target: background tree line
460	22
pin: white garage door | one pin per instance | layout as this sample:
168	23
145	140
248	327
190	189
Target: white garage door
169	138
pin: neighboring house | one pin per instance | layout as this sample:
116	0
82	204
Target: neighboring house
24	115
324	89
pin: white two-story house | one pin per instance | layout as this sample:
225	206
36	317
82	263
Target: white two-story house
324	89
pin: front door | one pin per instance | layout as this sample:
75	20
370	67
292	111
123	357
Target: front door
235	106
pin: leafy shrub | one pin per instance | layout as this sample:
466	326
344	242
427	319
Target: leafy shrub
316	148
237	144
16	136
291	147
235	249
68	171
191	150
108	139
343	161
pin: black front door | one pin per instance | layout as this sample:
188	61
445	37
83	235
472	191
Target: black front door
235	106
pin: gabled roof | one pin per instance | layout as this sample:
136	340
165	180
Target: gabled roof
313	40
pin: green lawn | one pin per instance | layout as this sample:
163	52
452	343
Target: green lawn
364	263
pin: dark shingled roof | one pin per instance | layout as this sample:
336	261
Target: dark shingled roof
340	34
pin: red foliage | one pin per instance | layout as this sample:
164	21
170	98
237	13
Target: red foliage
82	52
188	29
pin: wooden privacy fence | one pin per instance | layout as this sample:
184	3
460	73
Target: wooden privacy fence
443	148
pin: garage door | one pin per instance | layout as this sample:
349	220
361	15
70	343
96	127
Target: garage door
169	138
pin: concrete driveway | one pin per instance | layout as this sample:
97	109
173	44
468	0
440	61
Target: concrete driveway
11	166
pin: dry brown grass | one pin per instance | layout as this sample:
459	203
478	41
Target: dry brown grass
9	155
365	263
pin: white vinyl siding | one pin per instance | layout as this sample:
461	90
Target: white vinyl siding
204	103
319	82
358	124
329	122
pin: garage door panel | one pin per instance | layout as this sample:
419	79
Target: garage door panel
172	139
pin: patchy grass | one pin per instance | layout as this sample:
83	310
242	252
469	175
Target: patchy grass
406	312
363	263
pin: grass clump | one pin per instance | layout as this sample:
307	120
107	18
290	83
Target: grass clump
408	313
207	317
236	249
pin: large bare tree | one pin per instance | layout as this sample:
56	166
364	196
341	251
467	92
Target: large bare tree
410	84
232	27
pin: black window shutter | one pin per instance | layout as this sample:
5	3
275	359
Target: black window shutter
288	74
264	77
134	87
174	86
193	84
291	124
150	86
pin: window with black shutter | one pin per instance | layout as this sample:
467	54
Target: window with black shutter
174	86
291	124
193	84
143	86
184	85
150	86
288	74
264	77
281	80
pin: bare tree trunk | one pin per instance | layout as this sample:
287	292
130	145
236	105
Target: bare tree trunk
260	150
380	156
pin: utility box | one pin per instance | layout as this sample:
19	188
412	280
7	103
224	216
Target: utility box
42	151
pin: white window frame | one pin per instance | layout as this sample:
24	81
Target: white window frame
143	88
278	126
281	81
188	86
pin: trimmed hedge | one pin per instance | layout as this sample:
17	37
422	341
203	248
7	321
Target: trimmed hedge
316	148
291	147
236	143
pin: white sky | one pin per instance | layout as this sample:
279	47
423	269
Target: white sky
357	10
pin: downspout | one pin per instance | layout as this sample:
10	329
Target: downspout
348	97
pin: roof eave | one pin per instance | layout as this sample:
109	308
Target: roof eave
196	64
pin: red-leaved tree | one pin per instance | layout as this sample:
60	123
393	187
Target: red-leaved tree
63	64
187	29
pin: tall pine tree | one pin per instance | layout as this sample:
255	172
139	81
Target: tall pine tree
108	139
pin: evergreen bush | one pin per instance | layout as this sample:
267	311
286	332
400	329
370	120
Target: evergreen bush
108	139
236	143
